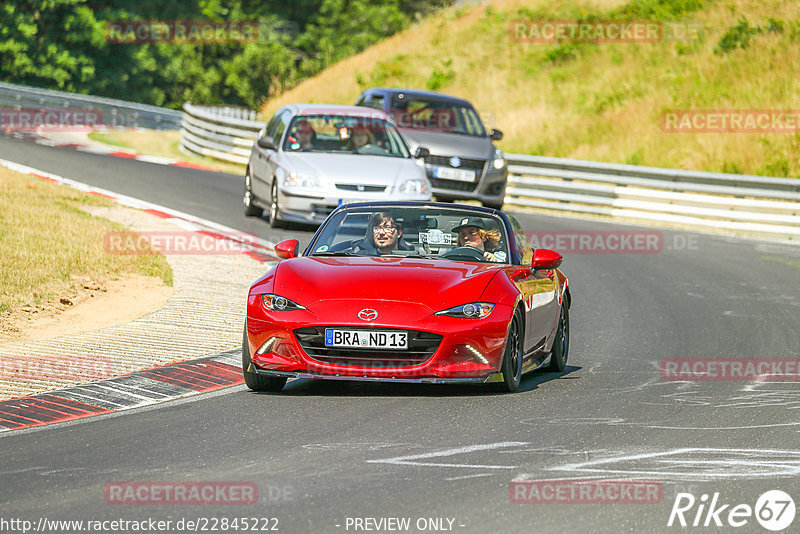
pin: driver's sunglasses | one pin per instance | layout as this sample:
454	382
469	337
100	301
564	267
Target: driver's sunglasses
388	229
465	233
306	131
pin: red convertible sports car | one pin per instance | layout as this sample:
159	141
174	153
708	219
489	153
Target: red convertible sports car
408	292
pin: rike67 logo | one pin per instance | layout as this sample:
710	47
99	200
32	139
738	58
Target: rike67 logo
774	510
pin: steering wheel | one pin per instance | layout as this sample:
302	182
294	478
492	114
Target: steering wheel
464	254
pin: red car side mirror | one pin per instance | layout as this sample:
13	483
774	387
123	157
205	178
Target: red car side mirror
287	249
546	259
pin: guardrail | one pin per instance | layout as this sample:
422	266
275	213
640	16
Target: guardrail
753	204
224	133
734	202
115	113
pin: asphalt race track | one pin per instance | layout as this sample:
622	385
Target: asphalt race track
348	457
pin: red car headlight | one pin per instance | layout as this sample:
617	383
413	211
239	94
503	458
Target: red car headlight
473	310
279	303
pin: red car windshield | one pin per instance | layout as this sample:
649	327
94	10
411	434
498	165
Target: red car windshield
452	234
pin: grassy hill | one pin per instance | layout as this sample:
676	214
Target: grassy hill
599	101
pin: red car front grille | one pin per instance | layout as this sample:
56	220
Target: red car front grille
421	346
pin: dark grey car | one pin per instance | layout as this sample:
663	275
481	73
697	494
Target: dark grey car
463	163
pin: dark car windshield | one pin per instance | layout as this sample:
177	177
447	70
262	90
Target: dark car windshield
430	232
345	134
436	115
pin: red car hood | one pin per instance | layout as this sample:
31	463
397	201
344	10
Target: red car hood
438	284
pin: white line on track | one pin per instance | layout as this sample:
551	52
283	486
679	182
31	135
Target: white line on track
413	459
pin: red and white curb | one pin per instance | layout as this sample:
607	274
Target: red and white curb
141	388
134	390
249	244
35	137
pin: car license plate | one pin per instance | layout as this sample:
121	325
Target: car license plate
365	339
454	174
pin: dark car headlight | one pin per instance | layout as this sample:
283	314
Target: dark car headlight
498	161
279	303
473	310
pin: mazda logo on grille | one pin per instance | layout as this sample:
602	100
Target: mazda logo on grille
455	161
367	314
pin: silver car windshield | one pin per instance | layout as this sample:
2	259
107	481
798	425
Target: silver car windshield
436	116
437	233
344	134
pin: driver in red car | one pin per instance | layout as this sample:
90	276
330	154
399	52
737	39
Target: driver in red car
384	234
472	232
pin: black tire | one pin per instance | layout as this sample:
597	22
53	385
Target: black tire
512	356
560	352
274	208
254	381
248	199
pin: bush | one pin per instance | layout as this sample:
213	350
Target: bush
737	36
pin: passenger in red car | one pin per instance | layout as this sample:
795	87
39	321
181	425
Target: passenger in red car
472	232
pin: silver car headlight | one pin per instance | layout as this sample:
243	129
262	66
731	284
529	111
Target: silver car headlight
414	187
308	181
473	310
498	161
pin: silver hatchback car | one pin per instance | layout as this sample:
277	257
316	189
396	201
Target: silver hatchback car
311	158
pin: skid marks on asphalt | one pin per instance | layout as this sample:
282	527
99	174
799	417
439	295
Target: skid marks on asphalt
532	463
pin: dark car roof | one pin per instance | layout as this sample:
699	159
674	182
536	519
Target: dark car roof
431	95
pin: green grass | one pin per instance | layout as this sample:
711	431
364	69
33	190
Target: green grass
51	245
165	143
599	101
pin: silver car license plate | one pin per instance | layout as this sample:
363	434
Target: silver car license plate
454	174
365	339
